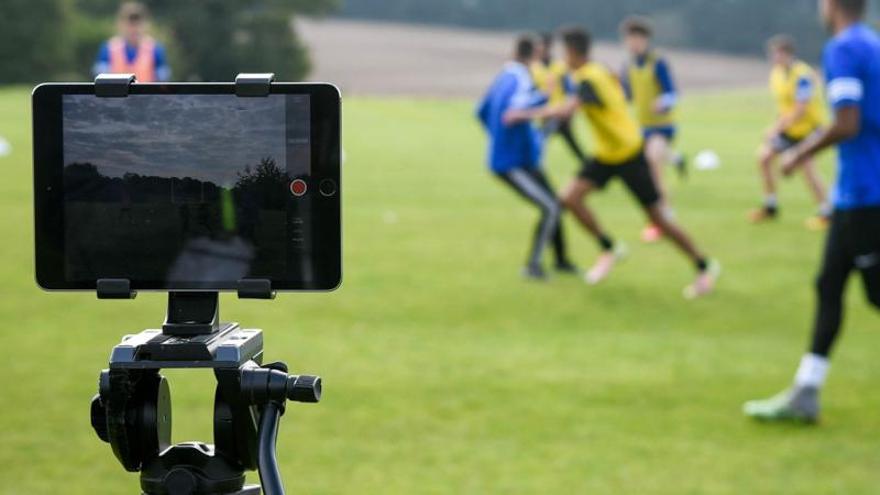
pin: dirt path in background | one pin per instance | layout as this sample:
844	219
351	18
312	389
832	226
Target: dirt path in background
371	58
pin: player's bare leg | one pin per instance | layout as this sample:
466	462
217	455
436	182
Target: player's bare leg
657	151
766	159
821	220
708	272
574	197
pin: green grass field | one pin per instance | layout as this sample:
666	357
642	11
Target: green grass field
445	373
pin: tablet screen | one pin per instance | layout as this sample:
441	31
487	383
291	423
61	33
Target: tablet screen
194	190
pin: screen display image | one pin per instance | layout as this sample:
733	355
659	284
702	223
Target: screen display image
189	190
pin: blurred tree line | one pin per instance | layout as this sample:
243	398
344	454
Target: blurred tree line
207	40
738	26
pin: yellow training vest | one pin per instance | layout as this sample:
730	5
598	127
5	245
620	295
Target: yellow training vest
616	134
784	85
550	80
645	91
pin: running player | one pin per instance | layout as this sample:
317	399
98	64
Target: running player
852	66
647	79
515	154
801	107
132	50
619	154
551	78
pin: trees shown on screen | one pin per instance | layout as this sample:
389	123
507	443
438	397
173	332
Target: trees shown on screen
265	181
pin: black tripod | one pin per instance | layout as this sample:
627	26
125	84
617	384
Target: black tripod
132	410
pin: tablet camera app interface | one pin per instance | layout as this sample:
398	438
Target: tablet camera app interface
193	190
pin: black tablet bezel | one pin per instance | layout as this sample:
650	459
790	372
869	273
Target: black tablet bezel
325	102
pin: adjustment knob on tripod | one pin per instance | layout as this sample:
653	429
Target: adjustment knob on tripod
304	388
270	383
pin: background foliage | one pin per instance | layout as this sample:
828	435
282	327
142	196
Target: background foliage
206	39
739	26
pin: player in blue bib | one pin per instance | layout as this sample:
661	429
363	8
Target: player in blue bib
515	153
852	66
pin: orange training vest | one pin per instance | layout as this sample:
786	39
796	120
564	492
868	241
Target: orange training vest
144	64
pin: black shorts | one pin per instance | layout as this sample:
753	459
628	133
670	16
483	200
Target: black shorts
782	142
635	173
854	242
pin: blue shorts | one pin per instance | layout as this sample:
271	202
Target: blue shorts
668	131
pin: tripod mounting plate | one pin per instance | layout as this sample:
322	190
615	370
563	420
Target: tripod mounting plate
230	347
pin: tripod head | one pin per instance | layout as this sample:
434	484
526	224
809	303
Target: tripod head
132	411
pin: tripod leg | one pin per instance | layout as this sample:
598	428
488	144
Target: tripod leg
270	478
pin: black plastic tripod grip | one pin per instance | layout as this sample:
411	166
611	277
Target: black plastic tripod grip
304	388
262	385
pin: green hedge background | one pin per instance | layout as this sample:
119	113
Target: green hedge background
207	40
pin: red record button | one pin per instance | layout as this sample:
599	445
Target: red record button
298	187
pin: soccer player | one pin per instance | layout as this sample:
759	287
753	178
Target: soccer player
801	107
647	79
515	154
619	153
551	78
852	66
132	50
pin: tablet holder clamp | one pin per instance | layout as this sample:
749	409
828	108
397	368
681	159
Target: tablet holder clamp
132	410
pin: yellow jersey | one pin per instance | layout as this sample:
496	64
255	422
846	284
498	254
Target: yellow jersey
617	136
550	80
785	85
646	90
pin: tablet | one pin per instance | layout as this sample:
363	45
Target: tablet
187	187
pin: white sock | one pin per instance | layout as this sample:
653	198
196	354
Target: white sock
770	201
812	371
825	210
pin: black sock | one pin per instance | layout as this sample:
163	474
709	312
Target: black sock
702	265
606	243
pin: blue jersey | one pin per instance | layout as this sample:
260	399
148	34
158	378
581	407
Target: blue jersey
517	145
852	66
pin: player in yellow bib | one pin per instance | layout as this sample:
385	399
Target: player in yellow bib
650	87
797	89
619	153
551	78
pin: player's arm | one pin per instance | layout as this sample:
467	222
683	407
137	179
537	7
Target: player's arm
564	111
669	97
845	92
847	125
582	95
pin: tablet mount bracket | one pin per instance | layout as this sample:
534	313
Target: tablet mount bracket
254	85
246	85
113	85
